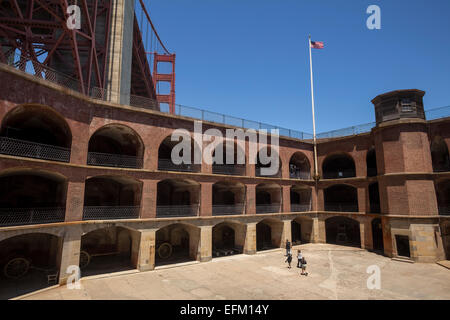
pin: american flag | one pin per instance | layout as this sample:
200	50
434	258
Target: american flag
317	44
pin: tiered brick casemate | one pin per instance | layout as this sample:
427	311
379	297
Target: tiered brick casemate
80	178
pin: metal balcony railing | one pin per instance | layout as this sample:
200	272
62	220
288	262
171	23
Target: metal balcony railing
339	174
230	169
219	210
296	207
341	207
268	208
114	160
177	211
258	173
110	212
168	165
27	216
28	149
444	210
303	175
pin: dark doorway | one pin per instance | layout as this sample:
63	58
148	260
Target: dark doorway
374	198
338	166
371	161
377	235
402	246
26	261
343	231
263	237
106	250
341	198
224	241
296	229
173	245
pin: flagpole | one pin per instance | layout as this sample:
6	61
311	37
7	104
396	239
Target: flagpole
316	172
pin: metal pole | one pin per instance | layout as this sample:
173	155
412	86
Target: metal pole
316	172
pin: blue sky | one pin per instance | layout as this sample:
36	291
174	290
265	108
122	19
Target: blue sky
249	58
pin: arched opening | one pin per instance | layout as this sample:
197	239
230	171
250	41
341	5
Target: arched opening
338	166
268	167
232	161
302	230
228	198
30	196
177	198
299	167
402	246
108	250
377	235
371	162
341	198
300	198
176	243
111	197
165	162
343	231
374	198
268	198
34	131
26	261
443	197
445	232
116	145
268	234
439	155
227	239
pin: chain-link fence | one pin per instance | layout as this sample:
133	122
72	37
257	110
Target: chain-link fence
27	216
177	211
110	212
21	148
219	210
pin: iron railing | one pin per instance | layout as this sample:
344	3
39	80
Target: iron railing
28	149
444	210
177	211
354	130
236	170
339	174
341	207
26	216
219	210
303	175
297	207
268	208
114	160
259	174
437	113
110	212
168	165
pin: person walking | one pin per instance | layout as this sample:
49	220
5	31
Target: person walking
289	260
299	258
288	248
303	263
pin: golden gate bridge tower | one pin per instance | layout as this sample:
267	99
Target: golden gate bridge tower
115	54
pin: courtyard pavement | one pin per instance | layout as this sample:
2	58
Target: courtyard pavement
335	272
